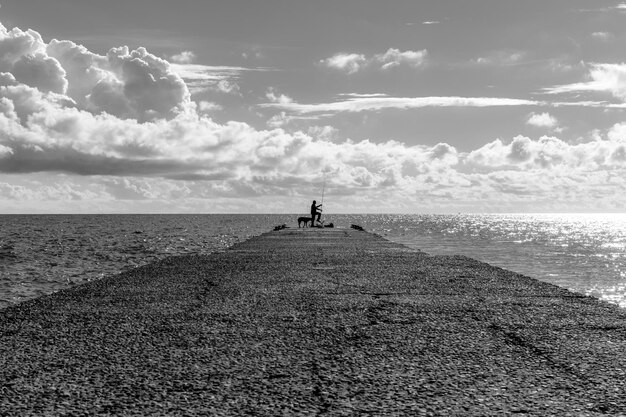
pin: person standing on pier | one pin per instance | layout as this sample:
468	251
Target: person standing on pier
315	210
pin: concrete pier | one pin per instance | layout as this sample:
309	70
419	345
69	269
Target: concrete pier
314	321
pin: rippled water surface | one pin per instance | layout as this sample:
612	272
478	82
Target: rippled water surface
42	254
583	252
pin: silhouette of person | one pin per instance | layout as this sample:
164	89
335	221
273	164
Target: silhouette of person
315	210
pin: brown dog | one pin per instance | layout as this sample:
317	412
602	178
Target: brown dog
304	220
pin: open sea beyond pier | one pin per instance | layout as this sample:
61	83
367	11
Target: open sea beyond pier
41	254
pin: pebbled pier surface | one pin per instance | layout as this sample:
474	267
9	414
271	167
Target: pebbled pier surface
314	322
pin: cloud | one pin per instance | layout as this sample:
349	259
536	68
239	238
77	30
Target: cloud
40	71
394	57
185	57
23	54
122	127
602	36
144	189
500	58
551	154
351	63
254	54
279	120
542	120
506	59
563	65
46	132
363	95
208	107
359	103
226	87
273	97
128	84
282	119
53	135
56	191
621	7
605	78
5	151
200	78
325	133
144	84
198	72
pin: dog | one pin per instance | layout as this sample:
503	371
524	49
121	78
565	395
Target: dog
304	220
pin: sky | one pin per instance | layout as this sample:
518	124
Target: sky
260	106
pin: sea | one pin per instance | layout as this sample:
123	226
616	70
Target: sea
42	254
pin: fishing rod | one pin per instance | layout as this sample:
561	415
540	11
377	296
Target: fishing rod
323	189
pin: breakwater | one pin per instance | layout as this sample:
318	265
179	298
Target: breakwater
313	321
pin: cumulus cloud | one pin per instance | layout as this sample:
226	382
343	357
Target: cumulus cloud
279	120
5	151
394	57
208	106
23	54
185	57
56	191
130	188
325	133
549	153
58	136
275	97
128	84
602	36
542	120
226	87
47	132
140	86
351	63
124	124
42	72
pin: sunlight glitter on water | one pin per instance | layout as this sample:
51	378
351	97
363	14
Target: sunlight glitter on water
583	252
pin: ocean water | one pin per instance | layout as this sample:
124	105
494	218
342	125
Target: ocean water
41	254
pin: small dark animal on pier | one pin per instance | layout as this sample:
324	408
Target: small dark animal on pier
304	220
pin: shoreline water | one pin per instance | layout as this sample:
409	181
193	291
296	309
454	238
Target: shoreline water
53	252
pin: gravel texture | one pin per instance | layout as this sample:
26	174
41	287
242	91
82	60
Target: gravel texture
314	322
